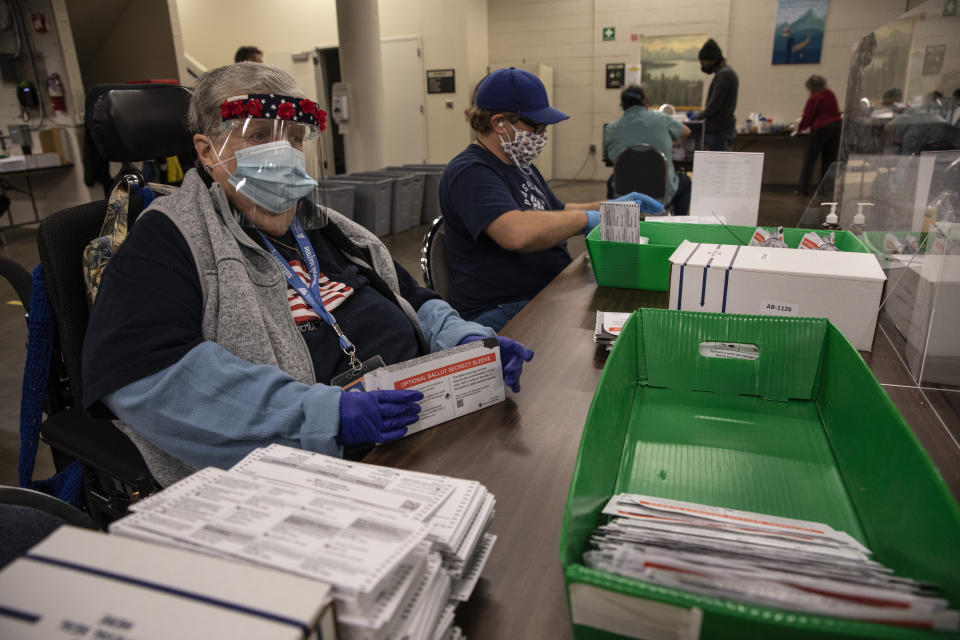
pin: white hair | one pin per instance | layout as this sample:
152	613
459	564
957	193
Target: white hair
216	85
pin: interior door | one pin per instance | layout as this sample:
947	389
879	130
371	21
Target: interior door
403	77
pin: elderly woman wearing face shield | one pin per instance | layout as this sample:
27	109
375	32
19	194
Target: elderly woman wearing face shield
239	307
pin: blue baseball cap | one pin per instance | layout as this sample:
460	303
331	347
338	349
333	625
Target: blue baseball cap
516	91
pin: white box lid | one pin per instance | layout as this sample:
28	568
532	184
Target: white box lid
840	265
283	594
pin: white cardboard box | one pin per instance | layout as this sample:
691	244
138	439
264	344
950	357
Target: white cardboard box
924	303
841	286
80	583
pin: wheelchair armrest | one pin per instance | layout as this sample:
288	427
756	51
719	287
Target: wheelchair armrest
98	444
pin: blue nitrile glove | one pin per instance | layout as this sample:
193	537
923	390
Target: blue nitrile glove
593	219
512	355
693	115
377	416
647	204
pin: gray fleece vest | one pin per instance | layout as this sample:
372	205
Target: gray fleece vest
245	294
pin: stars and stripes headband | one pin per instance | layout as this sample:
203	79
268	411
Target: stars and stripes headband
276	106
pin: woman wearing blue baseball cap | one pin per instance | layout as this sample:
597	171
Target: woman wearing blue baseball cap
506	231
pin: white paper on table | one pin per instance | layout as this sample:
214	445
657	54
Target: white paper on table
320	537
449	524
477	526
409	493
727	184
463	587
377	619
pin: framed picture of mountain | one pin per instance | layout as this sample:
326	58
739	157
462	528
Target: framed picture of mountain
798	35
670	71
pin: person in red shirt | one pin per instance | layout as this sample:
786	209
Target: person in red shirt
823	120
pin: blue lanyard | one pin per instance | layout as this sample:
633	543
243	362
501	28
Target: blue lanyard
311	293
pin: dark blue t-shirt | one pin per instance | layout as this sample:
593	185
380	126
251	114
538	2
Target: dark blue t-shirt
476	189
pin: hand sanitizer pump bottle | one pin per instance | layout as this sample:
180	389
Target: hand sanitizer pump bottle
832	223
859	220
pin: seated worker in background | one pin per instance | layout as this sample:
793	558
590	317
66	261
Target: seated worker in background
642	126
248	54
230	315
506	231
720	126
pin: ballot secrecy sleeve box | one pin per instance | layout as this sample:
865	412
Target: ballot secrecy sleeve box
80	583
454	382
841	286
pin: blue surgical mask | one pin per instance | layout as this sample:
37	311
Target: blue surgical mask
272	175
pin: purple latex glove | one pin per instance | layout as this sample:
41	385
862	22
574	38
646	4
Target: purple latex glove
377	416
512	355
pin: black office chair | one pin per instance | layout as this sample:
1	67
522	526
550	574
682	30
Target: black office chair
27	517
641	168
128	123
433	259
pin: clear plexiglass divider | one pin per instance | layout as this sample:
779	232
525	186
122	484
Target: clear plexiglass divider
896	183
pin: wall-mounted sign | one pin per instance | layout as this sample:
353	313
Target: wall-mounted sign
615	75
609	34
441	81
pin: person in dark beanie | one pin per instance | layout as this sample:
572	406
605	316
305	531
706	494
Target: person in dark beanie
720	127
248	54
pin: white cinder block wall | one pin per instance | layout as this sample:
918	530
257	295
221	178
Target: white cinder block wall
567	36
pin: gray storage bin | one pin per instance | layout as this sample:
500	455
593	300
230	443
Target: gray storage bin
430	203
407	194
339	197
372	201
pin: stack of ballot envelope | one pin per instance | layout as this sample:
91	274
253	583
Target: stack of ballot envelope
607	328
759	559
401	549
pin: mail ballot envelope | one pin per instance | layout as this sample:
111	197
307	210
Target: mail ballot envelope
841	286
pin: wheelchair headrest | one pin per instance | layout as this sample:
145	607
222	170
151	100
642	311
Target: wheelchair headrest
133	122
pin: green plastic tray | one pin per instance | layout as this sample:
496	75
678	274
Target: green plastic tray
804	431
647	266
873	241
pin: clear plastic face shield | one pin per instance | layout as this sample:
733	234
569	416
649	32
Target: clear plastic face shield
270	146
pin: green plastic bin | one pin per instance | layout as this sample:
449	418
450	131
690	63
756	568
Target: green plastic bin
647	266
873	241
804	431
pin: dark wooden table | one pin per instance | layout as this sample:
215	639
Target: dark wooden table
524	449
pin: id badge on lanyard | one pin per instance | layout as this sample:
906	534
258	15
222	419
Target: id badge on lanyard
352	378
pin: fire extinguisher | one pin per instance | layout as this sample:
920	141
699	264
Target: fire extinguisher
55	89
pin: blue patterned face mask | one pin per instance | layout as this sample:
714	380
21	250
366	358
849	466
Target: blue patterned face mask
272	176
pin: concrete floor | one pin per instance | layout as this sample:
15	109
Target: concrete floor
777	207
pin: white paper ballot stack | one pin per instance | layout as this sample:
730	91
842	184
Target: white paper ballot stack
608	327
619	222
400	548
759	559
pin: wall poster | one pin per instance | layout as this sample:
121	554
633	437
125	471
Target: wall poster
798	35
